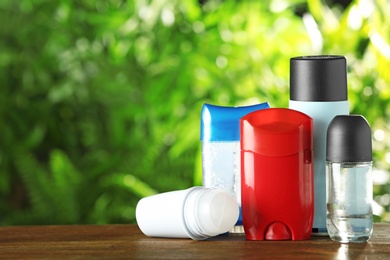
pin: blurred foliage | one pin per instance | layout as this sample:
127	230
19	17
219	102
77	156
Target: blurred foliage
100	100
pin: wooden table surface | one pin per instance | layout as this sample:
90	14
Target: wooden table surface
127	242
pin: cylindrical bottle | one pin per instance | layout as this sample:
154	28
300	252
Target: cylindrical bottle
220	137
318	88
197	213
349	179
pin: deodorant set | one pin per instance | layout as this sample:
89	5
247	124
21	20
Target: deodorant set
282	173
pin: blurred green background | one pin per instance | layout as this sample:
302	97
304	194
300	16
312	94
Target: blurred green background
100	100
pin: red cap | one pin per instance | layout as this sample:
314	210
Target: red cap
276	132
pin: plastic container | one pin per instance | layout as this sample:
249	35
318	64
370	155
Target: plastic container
220	137
318	88
197	213
277	174
349	179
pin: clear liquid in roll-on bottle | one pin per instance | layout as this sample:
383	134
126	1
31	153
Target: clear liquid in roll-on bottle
318	88
349	179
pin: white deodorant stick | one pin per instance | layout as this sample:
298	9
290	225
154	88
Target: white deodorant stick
197	213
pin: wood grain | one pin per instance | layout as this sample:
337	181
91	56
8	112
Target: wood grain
127	242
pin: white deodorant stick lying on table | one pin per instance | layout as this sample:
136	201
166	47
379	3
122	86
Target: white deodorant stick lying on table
197	213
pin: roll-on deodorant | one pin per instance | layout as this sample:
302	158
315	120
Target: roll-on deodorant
349	179
197	213
318	88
